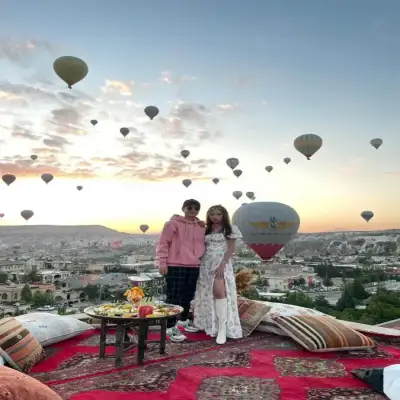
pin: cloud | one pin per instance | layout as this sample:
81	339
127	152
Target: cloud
56	141
25	94
22	167
244	80
227	108
149	167
122	88
68	121
168	77
22	52
23	132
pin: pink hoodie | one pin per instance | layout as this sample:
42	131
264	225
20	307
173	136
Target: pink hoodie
181	243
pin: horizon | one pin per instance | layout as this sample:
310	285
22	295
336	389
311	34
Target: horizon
243	83
148	233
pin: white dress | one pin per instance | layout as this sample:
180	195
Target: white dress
204	312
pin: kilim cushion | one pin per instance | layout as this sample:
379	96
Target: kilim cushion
17	386
17	346
250	314
322	334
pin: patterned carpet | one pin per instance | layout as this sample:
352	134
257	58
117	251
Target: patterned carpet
261	367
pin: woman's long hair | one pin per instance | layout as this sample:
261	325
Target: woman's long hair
226	223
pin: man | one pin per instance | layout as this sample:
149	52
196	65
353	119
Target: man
178	256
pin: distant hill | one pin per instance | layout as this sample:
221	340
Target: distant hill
13	234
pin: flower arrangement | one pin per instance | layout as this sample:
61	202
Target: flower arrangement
134	295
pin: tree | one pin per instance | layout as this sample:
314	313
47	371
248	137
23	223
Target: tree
301	281
299	299
251	293
38	299
328	282
322	304
358	291
32	276
346	300
26	293
3	278
92	292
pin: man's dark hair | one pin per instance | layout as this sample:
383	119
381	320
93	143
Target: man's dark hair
191	202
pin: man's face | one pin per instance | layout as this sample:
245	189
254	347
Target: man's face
191	210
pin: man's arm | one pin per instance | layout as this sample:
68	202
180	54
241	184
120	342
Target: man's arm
162	249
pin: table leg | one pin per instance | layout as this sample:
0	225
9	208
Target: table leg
163	336
103	338
119	345
143	328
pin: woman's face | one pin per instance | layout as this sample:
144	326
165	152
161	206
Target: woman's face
216	216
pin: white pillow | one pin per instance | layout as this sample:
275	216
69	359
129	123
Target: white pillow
267	324
49	328
2	361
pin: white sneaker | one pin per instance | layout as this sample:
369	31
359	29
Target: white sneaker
175	335
188	326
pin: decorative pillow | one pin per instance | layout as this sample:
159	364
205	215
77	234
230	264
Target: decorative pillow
372	329
1	361
250	314
373	377
17	345
49	328
323	334
267	324
17	386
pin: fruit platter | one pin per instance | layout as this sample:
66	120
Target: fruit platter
135	308
127	311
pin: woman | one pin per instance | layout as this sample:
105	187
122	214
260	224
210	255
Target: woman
215	306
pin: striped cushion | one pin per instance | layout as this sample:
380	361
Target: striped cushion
323	334
17	346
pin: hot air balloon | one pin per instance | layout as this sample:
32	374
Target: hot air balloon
185	153
287	160
26	214
377	142
94	122
243	204
1	215
215	180
70	69
308	144
79	188
144	228
8	179
187	182
266	226
237	194
250	195
151	111
232	163
269	168
237	172
47	178
367	215
124	131
33	157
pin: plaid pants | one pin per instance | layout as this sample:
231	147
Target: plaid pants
181	287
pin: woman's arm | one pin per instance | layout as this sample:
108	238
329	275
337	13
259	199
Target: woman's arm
229	251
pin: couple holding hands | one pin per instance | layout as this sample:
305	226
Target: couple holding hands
195	258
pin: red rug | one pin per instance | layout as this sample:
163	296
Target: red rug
261	367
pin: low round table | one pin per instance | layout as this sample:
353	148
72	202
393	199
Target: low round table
140	327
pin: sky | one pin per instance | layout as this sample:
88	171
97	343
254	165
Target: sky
231	79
